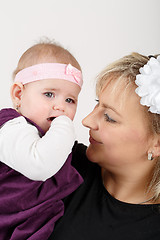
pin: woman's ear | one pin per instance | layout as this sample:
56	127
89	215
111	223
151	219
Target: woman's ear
16	93
156	147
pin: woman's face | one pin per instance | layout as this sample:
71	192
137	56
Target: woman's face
118	129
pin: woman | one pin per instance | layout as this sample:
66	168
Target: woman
120	196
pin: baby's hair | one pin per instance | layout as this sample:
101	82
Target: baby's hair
45	51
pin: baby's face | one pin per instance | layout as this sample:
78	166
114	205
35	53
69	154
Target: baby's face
44	100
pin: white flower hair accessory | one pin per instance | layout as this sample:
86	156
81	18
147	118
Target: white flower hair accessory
148	82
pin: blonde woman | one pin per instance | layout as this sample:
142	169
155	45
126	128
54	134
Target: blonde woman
120	196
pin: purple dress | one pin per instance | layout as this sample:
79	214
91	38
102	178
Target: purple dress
29	209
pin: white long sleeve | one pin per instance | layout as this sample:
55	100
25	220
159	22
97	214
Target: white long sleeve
37	158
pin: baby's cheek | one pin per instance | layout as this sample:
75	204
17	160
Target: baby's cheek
72	114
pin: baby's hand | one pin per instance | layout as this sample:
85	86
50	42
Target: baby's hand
64	126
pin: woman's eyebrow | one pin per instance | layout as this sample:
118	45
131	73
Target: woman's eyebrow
112	108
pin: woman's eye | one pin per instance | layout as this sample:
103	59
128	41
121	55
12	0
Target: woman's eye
49	94
69	100
108	119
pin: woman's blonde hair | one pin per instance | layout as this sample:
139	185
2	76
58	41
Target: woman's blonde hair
124	71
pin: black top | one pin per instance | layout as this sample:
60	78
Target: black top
91	213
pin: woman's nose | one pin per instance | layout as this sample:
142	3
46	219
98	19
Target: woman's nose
90	121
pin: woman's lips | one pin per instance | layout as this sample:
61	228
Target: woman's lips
93	141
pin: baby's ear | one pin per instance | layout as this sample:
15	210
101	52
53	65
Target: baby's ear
16	93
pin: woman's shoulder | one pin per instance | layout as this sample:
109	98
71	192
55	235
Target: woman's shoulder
79	149
80	160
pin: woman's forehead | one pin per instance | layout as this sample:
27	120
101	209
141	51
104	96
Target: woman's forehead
120	94
118	87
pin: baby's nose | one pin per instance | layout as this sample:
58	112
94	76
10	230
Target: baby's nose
58	105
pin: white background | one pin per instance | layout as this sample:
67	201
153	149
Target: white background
96	32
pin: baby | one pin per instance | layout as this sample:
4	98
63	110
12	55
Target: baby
36	138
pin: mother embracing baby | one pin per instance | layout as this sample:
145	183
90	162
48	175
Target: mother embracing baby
120	196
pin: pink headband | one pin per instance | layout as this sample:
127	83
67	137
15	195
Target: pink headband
49	70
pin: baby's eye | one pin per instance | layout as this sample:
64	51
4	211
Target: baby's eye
108	118
49	94
69	100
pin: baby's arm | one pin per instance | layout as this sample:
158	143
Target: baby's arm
36	158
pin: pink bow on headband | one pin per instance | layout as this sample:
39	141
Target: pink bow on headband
70	70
